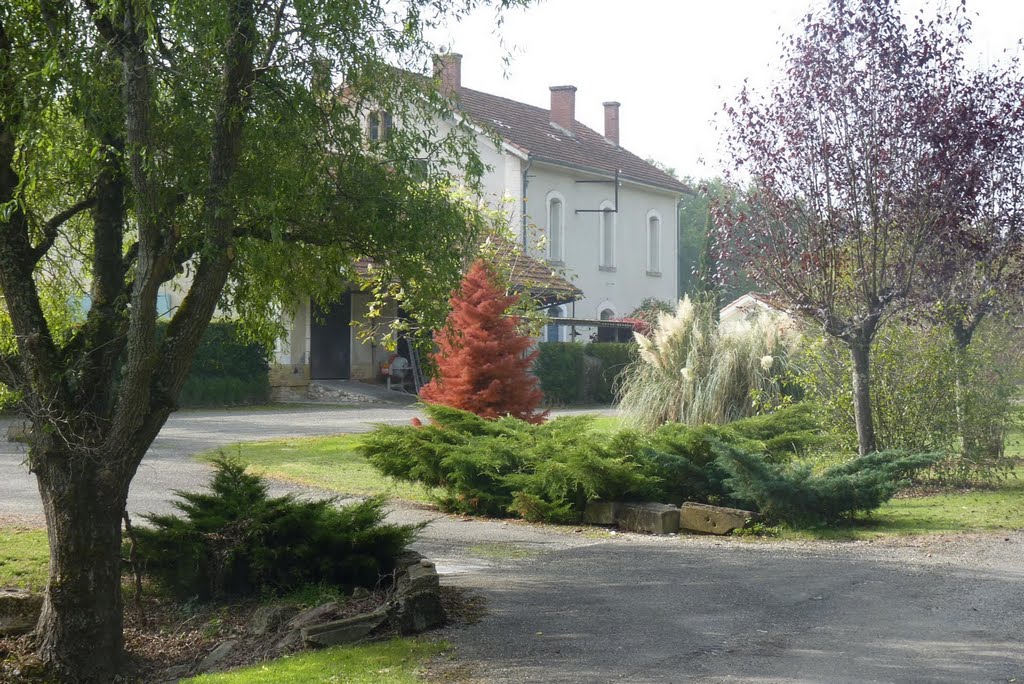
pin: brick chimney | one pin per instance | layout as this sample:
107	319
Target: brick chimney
563	107
448	68
611	122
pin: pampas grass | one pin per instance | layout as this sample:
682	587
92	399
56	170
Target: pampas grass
689	371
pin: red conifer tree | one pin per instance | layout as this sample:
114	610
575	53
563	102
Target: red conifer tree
482	360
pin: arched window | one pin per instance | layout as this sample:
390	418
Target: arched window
653	243
380	125
556	227
553	331
607	231
606	333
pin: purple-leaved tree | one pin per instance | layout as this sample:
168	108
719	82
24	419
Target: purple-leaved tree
867	163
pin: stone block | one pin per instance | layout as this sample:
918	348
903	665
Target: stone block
344	631
602	512
652	518
217	655
321	613
416	612
269	618
19	611
289	642
697	517
419	577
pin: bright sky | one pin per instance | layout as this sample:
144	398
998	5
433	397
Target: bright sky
671	63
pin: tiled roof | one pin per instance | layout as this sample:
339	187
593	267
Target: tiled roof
529	129
526	273
535	277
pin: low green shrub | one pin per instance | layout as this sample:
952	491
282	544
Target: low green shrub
237	541
793	429
549	472
559	366
498	467
793	494
684	459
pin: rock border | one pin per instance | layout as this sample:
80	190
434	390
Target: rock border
657	518
414	606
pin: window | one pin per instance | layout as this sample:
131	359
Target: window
420	170
553	331
653	244
556	227
163	305
380	125
607	231
606	333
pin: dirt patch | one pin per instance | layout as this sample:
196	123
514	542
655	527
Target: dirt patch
177	636
22	522
172	638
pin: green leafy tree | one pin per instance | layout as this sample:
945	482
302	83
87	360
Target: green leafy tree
146	140
706	262
707	287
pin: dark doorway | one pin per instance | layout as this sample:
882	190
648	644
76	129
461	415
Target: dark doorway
330	340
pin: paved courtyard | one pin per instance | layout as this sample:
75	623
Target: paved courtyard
574	605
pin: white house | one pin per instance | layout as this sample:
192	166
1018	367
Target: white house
740	314
607	219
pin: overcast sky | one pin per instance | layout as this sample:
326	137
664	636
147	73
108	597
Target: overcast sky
671	63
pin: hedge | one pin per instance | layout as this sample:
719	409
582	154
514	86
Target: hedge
601	378
559	366
227	370
572	373
549	472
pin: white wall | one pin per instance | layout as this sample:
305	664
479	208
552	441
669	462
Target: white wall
623	288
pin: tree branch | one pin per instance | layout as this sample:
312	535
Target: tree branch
52	227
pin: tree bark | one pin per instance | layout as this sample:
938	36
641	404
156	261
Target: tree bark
861	353
79	633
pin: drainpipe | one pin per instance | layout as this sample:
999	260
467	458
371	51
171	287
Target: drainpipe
522	211
679	209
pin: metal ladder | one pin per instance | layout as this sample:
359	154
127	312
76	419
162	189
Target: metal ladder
417	369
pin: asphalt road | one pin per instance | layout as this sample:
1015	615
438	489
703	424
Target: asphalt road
577	606
168	464
690	610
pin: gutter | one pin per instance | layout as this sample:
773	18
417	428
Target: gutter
522	202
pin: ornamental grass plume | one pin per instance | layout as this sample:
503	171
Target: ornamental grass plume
689	371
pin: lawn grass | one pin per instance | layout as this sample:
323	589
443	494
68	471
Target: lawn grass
607	424
329	463
24	558
388	662
1000	508
332	463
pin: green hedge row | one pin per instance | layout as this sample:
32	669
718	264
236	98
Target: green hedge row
572	373
227	369
549	472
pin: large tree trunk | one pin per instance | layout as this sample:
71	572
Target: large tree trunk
80	630
861	353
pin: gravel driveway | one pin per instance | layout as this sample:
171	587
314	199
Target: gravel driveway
579	606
